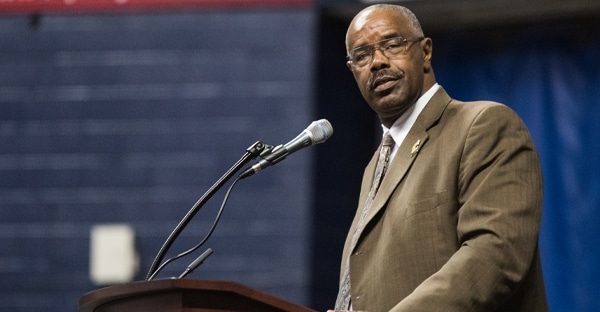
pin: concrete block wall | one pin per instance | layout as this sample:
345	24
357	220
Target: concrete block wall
129	119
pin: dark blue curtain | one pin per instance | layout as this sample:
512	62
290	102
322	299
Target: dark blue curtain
549	74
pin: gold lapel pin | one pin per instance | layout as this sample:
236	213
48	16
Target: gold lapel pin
415	148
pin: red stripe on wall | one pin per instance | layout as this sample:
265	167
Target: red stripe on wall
41	6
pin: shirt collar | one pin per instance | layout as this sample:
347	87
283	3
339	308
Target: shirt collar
402	125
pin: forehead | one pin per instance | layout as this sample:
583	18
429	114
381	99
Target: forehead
374	25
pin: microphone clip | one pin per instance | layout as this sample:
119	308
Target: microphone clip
266	151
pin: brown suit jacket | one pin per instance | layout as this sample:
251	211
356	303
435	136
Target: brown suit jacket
454	225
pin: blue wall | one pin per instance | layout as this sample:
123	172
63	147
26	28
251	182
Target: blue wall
130	119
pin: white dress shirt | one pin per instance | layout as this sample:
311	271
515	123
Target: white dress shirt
402	125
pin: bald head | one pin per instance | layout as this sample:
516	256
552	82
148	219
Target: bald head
414	26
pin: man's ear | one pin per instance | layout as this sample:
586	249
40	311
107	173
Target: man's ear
349	65
427	47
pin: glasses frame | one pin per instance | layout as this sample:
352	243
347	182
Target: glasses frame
380	45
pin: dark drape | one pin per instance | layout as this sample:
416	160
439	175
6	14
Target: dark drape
549	74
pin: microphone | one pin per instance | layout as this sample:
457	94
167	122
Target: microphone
317	132
196	263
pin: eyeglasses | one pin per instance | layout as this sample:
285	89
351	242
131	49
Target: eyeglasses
391	48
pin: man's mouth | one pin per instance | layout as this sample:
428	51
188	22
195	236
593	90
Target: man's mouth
384	80
383	83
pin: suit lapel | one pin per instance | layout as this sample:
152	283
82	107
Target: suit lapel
407	153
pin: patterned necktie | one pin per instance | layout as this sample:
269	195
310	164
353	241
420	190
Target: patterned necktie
343	299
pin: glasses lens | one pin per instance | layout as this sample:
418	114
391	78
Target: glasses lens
393	46
363	56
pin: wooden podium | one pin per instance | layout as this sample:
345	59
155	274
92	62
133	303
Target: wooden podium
184	295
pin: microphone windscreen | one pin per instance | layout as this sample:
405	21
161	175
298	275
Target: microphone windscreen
319	131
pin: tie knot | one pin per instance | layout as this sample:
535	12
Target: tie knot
387	140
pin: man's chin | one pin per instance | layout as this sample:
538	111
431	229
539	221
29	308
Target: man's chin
385	103
389	108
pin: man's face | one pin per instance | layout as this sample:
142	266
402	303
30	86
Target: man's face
389	85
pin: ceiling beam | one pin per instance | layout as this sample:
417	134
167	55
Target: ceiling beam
436	15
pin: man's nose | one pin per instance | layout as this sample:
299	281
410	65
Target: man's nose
379	60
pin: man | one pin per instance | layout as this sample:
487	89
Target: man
455	220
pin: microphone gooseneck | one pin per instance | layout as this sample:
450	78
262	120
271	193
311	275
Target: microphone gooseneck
317	132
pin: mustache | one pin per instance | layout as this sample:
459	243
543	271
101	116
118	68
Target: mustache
374	79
